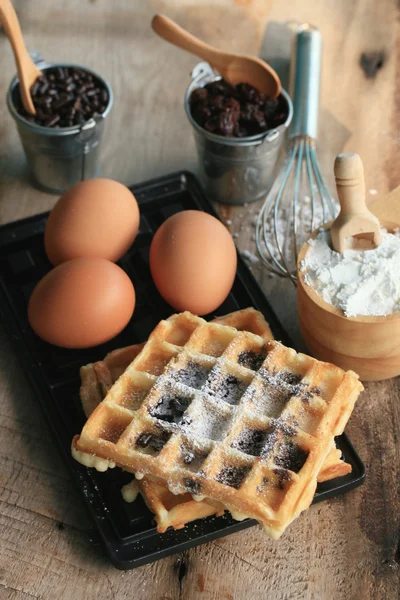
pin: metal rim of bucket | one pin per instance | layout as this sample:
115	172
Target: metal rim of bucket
269	135
49	131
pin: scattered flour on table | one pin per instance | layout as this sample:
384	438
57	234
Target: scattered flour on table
252	258
359	282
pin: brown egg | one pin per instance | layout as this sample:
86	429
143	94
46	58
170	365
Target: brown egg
97	217
81	303
193	261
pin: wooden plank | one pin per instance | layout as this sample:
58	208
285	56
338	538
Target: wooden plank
344	548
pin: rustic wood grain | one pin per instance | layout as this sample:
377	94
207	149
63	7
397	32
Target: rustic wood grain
347	548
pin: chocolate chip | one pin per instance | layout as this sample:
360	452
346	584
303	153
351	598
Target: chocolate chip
270	107
198	95
251	360
229	388
193	487
232	476
247	92
292	457
155	440
283	477
250	441
58	90
188	458
236	112
193	457
143	440
43	88
289	378
158	442
60	73
170	408
35	88
193	375
52	121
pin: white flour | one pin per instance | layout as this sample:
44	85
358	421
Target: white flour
359	282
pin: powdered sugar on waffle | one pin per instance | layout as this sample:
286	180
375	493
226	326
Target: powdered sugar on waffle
226	387
192	374
270	393
207	419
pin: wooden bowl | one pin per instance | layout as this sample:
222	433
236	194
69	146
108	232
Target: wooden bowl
370	346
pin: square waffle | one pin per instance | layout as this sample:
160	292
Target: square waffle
223	414
176	510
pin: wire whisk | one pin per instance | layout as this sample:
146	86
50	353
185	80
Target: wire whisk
299	200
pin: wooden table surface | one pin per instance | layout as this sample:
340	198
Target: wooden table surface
344	548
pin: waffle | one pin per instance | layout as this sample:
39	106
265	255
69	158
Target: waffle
176	510
241	421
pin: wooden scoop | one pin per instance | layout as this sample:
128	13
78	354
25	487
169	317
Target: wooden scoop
27	70
354	220
233	67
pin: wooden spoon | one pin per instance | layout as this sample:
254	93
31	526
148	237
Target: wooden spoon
27	70
354	220
233	67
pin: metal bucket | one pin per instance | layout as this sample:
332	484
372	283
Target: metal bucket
235	170
60	158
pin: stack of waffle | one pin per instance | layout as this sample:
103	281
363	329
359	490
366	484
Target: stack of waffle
220	415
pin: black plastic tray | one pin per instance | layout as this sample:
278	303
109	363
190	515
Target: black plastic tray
127	530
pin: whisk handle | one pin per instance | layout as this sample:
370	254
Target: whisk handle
305	81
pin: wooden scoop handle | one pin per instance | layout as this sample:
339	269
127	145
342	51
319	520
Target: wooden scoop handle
354	218
27	70
170	31
350	185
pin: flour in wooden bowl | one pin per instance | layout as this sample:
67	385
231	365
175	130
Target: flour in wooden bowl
358	281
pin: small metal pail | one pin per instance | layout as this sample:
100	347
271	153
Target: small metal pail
235	170
60	158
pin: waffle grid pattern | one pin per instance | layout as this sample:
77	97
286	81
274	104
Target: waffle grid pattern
224	414
177	510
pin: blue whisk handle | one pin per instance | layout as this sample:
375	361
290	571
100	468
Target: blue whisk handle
305	81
